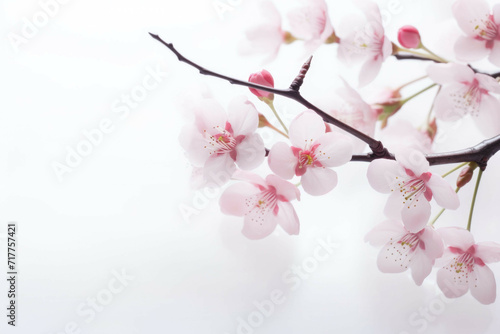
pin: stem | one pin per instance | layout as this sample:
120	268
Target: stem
410	82
429	56
417	94
271	105
277	130
431	223
454	169
474	198
433	54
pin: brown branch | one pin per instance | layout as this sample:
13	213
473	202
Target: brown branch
479	153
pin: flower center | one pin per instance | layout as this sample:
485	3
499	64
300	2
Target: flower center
411	240
461	267
412	188
260	204
468	99
221	142
486	30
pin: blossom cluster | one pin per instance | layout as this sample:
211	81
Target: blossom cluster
228	142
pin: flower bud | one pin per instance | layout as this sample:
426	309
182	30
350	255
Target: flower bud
263	122
409	37
465	175
263	78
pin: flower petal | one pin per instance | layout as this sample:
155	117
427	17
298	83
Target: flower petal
370	70
282	161
443	193
482	284
318	181
382	173
449	73
233	199
469	13
250	153
413	160
210	116
470	49
433	243
219	169
450	283
242	116
488	118
384	231
457	237
487	82
488	251
421	267
287	218
306	128
257	225
334	150
283	188
194	144
394	257
416	214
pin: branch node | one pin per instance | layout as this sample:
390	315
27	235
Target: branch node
299	80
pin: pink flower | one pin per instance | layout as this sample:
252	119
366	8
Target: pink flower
464	266
466	93
311	23
264	204
409	37
412	187
216	140
402	249
401	134
311	155
265	37
365	42
482	30
350	108
263	78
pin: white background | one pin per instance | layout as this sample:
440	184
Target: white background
119	209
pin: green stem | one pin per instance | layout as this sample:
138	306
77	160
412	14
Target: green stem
469	223
423	55
410	82
433	54
277	130
431	223
271	105
417	94
454	169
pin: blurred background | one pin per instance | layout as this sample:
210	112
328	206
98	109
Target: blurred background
116	241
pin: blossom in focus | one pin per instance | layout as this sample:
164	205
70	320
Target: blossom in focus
466	93
312	154
402	249
365	42
409	37
401	134
463	266
350	108
264	204
411	187
218	141
266	36
482	31
311	23
263	78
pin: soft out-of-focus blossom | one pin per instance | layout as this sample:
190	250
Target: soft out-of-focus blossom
463	265
349	107
482	31
365	42
218	141
263	78
402	249
409	37
312	154
401	134
466	93
266	36
411	187
264	204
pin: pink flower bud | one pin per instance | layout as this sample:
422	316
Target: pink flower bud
409	37
465	176
263	78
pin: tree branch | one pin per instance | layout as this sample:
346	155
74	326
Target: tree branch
479	153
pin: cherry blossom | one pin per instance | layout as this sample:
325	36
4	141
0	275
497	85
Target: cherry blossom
263	78
365	41
466	93
411	187
349	107
464	266
311	23
482	29
218	141
264	204
312	154
401	134
402	249
267	36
